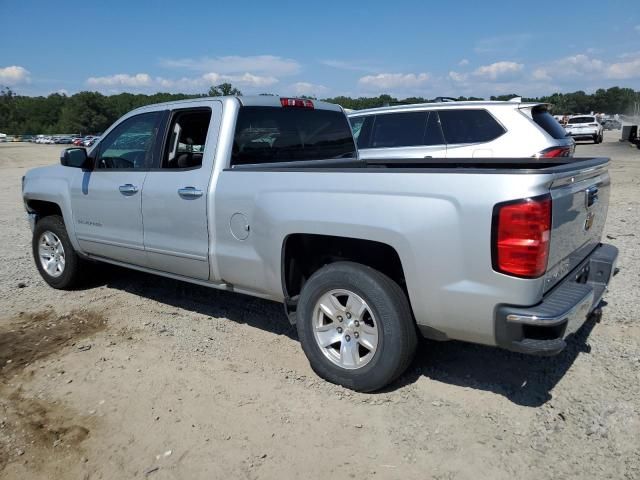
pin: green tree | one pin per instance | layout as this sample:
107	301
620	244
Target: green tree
223	89
86	112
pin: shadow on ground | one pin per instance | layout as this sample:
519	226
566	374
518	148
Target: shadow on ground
523	379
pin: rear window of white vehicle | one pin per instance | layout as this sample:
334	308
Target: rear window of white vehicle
581	120
469	126
274	134
548	123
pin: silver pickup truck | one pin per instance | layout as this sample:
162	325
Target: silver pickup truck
267	196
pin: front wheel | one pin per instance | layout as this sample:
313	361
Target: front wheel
355	326
53	253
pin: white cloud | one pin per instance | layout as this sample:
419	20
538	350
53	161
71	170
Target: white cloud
14	75
463	63
498	70
267	65
624	70
541	74
246	79
121	80
458	77
394	80
580	64
306	88
144	81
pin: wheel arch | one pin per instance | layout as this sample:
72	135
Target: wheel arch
44	207
297	266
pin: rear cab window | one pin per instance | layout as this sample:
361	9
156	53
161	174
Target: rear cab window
287	134
548	123
469	126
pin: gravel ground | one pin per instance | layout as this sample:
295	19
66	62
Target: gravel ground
137	376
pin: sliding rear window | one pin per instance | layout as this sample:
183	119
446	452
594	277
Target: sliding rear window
281	134
549	124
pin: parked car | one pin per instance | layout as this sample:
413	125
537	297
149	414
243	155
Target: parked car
612	124
64	140
585	127
91	142
78	141
87	141
460	130
275	203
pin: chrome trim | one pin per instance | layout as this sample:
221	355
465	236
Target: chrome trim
110	243
590	196
570	314
190	256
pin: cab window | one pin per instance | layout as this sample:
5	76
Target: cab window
187	137
130	145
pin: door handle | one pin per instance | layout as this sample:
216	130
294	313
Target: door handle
189	192
128	189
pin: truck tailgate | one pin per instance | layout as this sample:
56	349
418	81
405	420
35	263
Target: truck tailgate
580	200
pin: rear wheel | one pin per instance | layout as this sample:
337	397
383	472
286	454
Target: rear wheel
53	253
355	326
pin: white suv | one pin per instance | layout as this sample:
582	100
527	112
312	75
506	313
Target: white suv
582	127
460	130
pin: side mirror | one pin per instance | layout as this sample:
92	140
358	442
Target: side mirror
76	158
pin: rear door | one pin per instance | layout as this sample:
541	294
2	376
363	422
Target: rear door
175	196
399	135
106	202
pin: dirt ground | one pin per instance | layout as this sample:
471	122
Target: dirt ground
137	376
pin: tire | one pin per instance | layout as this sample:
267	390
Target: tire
386	311
51	233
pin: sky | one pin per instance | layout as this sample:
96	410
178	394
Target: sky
323	49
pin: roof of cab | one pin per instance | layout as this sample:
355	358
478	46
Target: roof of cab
249	100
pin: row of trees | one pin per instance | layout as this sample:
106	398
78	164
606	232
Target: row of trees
92	112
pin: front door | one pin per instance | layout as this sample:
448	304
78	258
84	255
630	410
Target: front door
107	202
175	195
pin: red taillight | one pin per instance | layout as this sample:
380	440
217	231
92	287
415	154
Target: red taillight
520	240
555	152
296	102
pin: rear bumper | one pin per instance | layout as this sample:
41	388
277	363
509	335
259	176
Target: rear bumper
584	134
541	329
